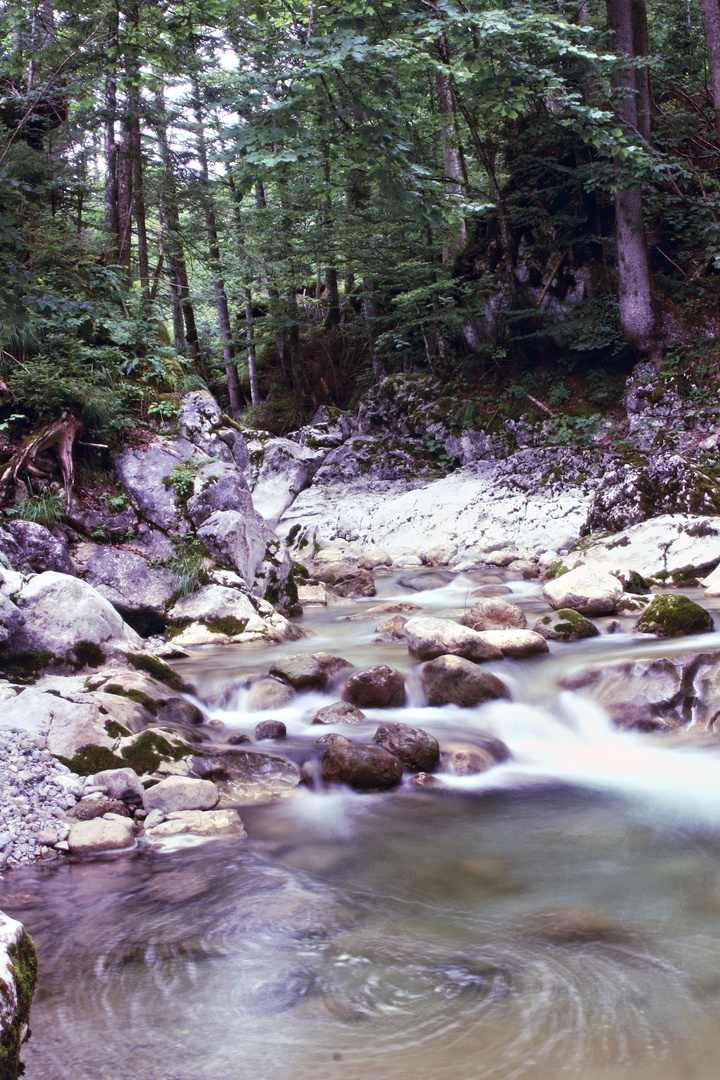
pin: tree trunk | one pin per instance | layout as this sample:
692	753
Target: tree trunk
111	163
333	297
711	19
251	353
132	72
451	158
124	197
635	289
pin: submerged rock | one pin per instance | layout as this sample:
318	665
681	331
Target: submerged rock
340	712
429	638
379	687
451	680
364	768
417	749
492	613
309	672
674	615
206	823
565	625
467	759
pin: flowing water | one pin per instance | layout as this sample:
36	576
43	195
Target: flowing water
558	916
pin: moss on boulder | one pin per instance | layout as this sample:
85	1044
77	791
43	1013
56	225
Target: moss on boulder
18	976
565	625
674	615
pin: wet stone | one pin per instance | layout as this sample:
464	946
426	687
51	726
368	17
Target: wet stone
271	729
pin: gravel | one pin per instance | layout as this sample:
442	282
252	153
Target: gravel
36	791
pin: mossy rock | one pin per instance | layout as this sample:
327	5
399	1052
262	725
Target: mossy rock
23	963
150	749
25	667
91	759
674	615
557	570
155	668
565	625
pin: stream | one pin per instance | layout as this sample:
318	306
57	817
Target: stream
554	917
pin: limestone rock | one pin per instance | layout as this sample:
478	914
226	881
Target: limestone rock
156	697
205	823
200	421
40	548
378	687
87	809
492	613
417	749
567	625
452	680
18	975
245	776
181	793
99	835
269	693
364	768
218	486
428	638
390	607
355	584
237	538
121	784
143	470
139	592
312	594
11	619
222	610
340	712
586	589
309	672
516	643
287	469
373	557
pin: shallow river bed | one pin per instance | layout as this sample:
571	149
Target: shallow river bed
555	917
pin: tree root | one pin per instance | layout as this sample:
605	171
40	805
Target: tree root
58	436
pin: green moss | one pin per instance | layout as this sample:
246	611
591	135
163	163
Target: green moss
556	570
689	575
149	750
227	624
88	654
24	666
115	730
23	963
154	667
92	759
299	570
138	696
573	624
636	583
674	615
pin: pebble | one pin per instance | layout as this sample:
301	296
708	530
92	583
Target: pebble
35	793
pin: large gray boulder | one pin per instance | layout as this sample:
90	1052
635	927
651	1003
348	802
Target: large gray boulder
40	548
181	793
237	539
201	421
226	610
218	486
138	591
18	975
452	680
586	589
101	834
429	638
364	768
417	749
286	470
63	613
11	619
143	472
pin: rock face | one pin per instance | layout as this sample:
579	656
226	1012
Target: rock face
492	613
451	680
674	615
428	638
218	486
565	625
200	420
237	539
139	592
340	712
100	834
143	471
18	975
364	768
181	793
63	613
286	470
585	589
41	550
309	672
379	687
418	750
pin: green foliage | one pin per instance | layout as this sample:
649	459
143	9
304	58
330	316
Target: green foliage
190	567
46	508
182	478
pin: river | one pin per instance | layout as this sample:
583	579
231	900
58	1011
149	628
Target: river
555	917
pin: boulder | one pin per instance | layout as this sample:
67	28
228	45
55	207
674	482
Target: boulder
90	808
451	680
428	638
393	628
99	835
224	611
427	579
138	591
516	643
236	538
121	784
355	584
566	625
271	729
712	583
586	589
269	693
218	486
492	613
373	557
143	472
41	550
69	619
378	687
661	694
364	768
181	793
245	776
18	975
287	469
205	823
11	619
340	712
309	672
674	615
312	594
667	545
418	750
155	697
201	421
274	578
467	759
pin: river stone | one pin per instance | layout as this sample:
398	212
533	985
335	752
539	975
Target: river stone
566	625
309	672
364	768
492	590
586	589
243	776
493	613
181	793
428	638
87	809
355	584
466	759
121	784
516	643
206	823
451	680
417	749
379	687
100	834
63	612
340	712
271	729
218	486
139	592
395	627
391	607
674	615
434	579
269	693
40	548
373	557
